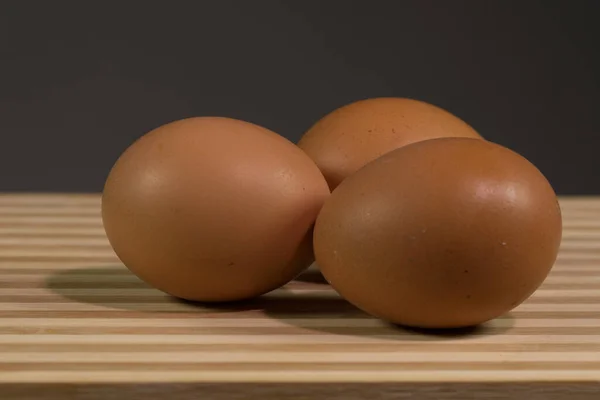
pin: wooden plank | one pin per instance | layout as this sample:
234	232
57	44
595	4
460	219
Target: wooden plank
75	323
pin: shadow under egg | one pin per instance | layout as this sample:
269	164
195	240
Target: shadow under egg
312	275
304	304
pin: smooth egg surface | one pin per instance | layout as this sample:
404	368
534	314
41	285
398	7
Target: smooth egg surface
351	136
213	209
442	233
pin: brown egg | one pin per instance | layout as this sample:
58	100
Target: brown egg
213	209
353	135
442	233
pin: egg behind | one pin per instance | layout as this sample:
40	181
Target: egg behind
351	136
213	209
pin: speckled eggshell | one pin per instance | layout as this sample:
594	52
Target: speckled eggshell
349	137
443	233
213	209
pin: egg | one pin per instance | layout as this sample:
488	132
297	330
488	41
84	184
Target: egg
443	233
349	137
213	209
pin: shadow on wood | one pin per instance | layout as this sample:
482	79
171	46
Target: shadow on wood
301	306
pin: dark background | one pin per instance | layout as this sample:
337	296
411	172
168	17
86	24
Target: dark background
79	81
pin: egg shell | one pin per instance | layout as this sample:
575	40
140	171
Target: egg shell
351	136
443	233
213	209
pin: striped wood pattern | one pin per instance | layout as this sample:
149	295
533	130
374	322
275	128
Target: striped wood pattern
74	323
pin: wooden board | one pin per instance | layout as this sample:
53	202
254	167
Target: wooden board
75	324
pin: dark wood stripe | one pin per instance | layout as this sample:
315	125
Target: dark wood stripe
7	284
58	284
311	311
304	391
46	224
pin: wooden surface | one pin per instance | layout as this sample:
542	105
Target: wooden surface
74	323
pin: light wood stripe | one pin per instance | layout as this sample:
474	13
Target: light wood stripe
578	257
582	224
301	357
395	334
66	212
34	232
288	309
580	215
46	221
299	338
7	242
574	235
64	253
182	307
580	245
371	347
234	369
50	200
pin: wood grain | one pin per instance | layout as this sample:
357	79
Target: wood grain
75	324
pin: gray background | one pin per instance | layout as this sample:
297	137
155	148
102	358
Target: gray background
79	81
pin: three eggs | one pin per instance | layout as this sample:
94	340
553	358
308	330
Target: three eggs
410	214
